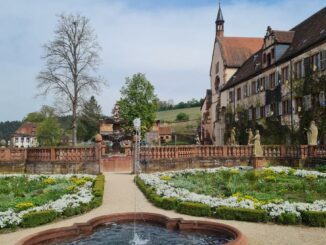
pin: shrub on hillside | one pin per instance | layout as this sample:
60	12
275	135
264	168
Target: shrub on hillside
182	117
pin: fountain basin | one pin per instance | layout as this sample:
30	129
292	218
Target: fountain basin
82	230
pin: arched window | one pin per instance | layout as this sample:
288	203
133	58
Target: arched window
217	83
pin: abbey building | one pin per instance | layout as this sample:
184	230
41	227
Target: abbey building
259	78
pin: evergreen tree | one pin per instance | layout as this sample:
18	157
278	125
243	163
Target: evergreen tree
89	119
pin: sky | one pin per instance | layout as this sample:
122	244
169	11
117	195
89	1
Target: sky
171	41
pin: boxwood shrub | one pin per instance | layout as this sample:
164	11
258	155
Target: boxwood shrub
36	218
194	209
242	214
314	218
288	219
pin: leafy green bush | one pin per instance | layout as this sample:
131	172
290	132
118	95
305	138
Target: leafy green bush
314	218
182	117
37	218
194	209
288	219
242	214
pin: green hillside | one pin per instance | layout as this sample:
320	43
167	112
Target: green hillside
169	116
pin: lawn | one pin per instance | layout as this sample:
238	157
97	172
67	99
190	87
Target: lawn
278	194
170	116
32	200
15	191
262	185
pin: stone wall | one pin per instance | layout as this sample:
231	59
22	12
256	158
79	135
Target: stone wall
62	167
12	166
188	163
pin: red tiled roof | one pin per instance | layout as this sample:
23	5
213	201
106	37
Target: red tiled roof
165	131
26	129
236	50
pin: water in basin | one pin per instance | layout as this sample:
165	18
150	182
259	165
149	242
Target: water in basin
147	234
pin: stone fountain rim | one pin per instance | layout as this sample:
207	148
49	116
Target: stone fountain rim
87	228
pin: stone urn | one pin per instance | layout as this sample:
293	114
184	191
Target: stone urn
98	138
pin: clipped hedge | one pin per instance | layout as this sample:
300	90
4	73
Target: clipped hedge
161	202
288	219
37	218
314	218
194	209
311	218
98	187
242	214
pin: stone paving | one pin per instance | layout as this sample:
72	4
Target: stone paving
121	195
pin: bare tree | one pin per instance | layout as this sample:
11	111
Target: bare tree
71	59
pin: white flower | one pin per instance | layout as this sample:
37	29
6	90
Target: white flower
166	189
84	195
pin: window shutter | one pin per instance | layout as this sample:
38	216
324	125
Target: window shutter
280	108
250	114
257	113
307	102
267	83
267	110
322	101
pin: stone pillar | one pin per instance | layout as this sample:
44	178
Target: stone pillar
259	162
98	150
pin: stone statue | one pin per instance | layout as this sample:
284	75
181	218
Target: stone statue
197	140
116	112
258	150
3	143
312	134
233	136
250	136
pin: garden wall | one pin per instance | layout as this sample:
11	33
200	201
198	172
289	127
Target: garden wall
188	163
95	159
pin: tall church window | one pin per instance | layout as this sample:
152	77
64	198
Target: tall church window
217	83
217	67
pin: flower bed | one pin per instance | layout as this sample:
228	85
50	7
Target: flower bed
160	187
33	200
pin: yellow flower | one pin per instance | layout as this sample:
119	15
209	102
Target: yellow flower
49	181
24	205
165	177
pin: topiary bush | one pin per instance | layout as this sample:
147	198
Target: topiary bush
314	218
37	218
242	214
194	209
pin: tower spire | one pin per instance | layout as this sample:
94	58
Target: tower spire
219	22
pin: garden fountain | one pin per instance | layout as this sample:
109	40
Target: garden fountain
139	228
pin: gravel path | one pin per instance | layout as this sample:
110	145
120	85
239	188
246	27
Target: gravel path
120	196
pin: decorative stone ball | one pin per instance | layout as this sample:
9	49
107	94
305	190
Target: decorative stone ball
3	142
98	138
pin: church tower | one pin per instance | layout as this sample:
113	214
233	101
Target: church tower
219	22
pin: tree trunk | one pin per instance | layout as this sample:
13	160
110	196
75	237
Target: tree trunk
74	125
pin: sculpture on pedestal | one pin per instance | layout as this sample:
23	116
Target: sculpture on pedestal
233	136
312	134
258	150
112	131
250	136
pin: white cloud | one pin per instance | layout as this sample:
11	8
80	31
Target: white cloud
172	46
